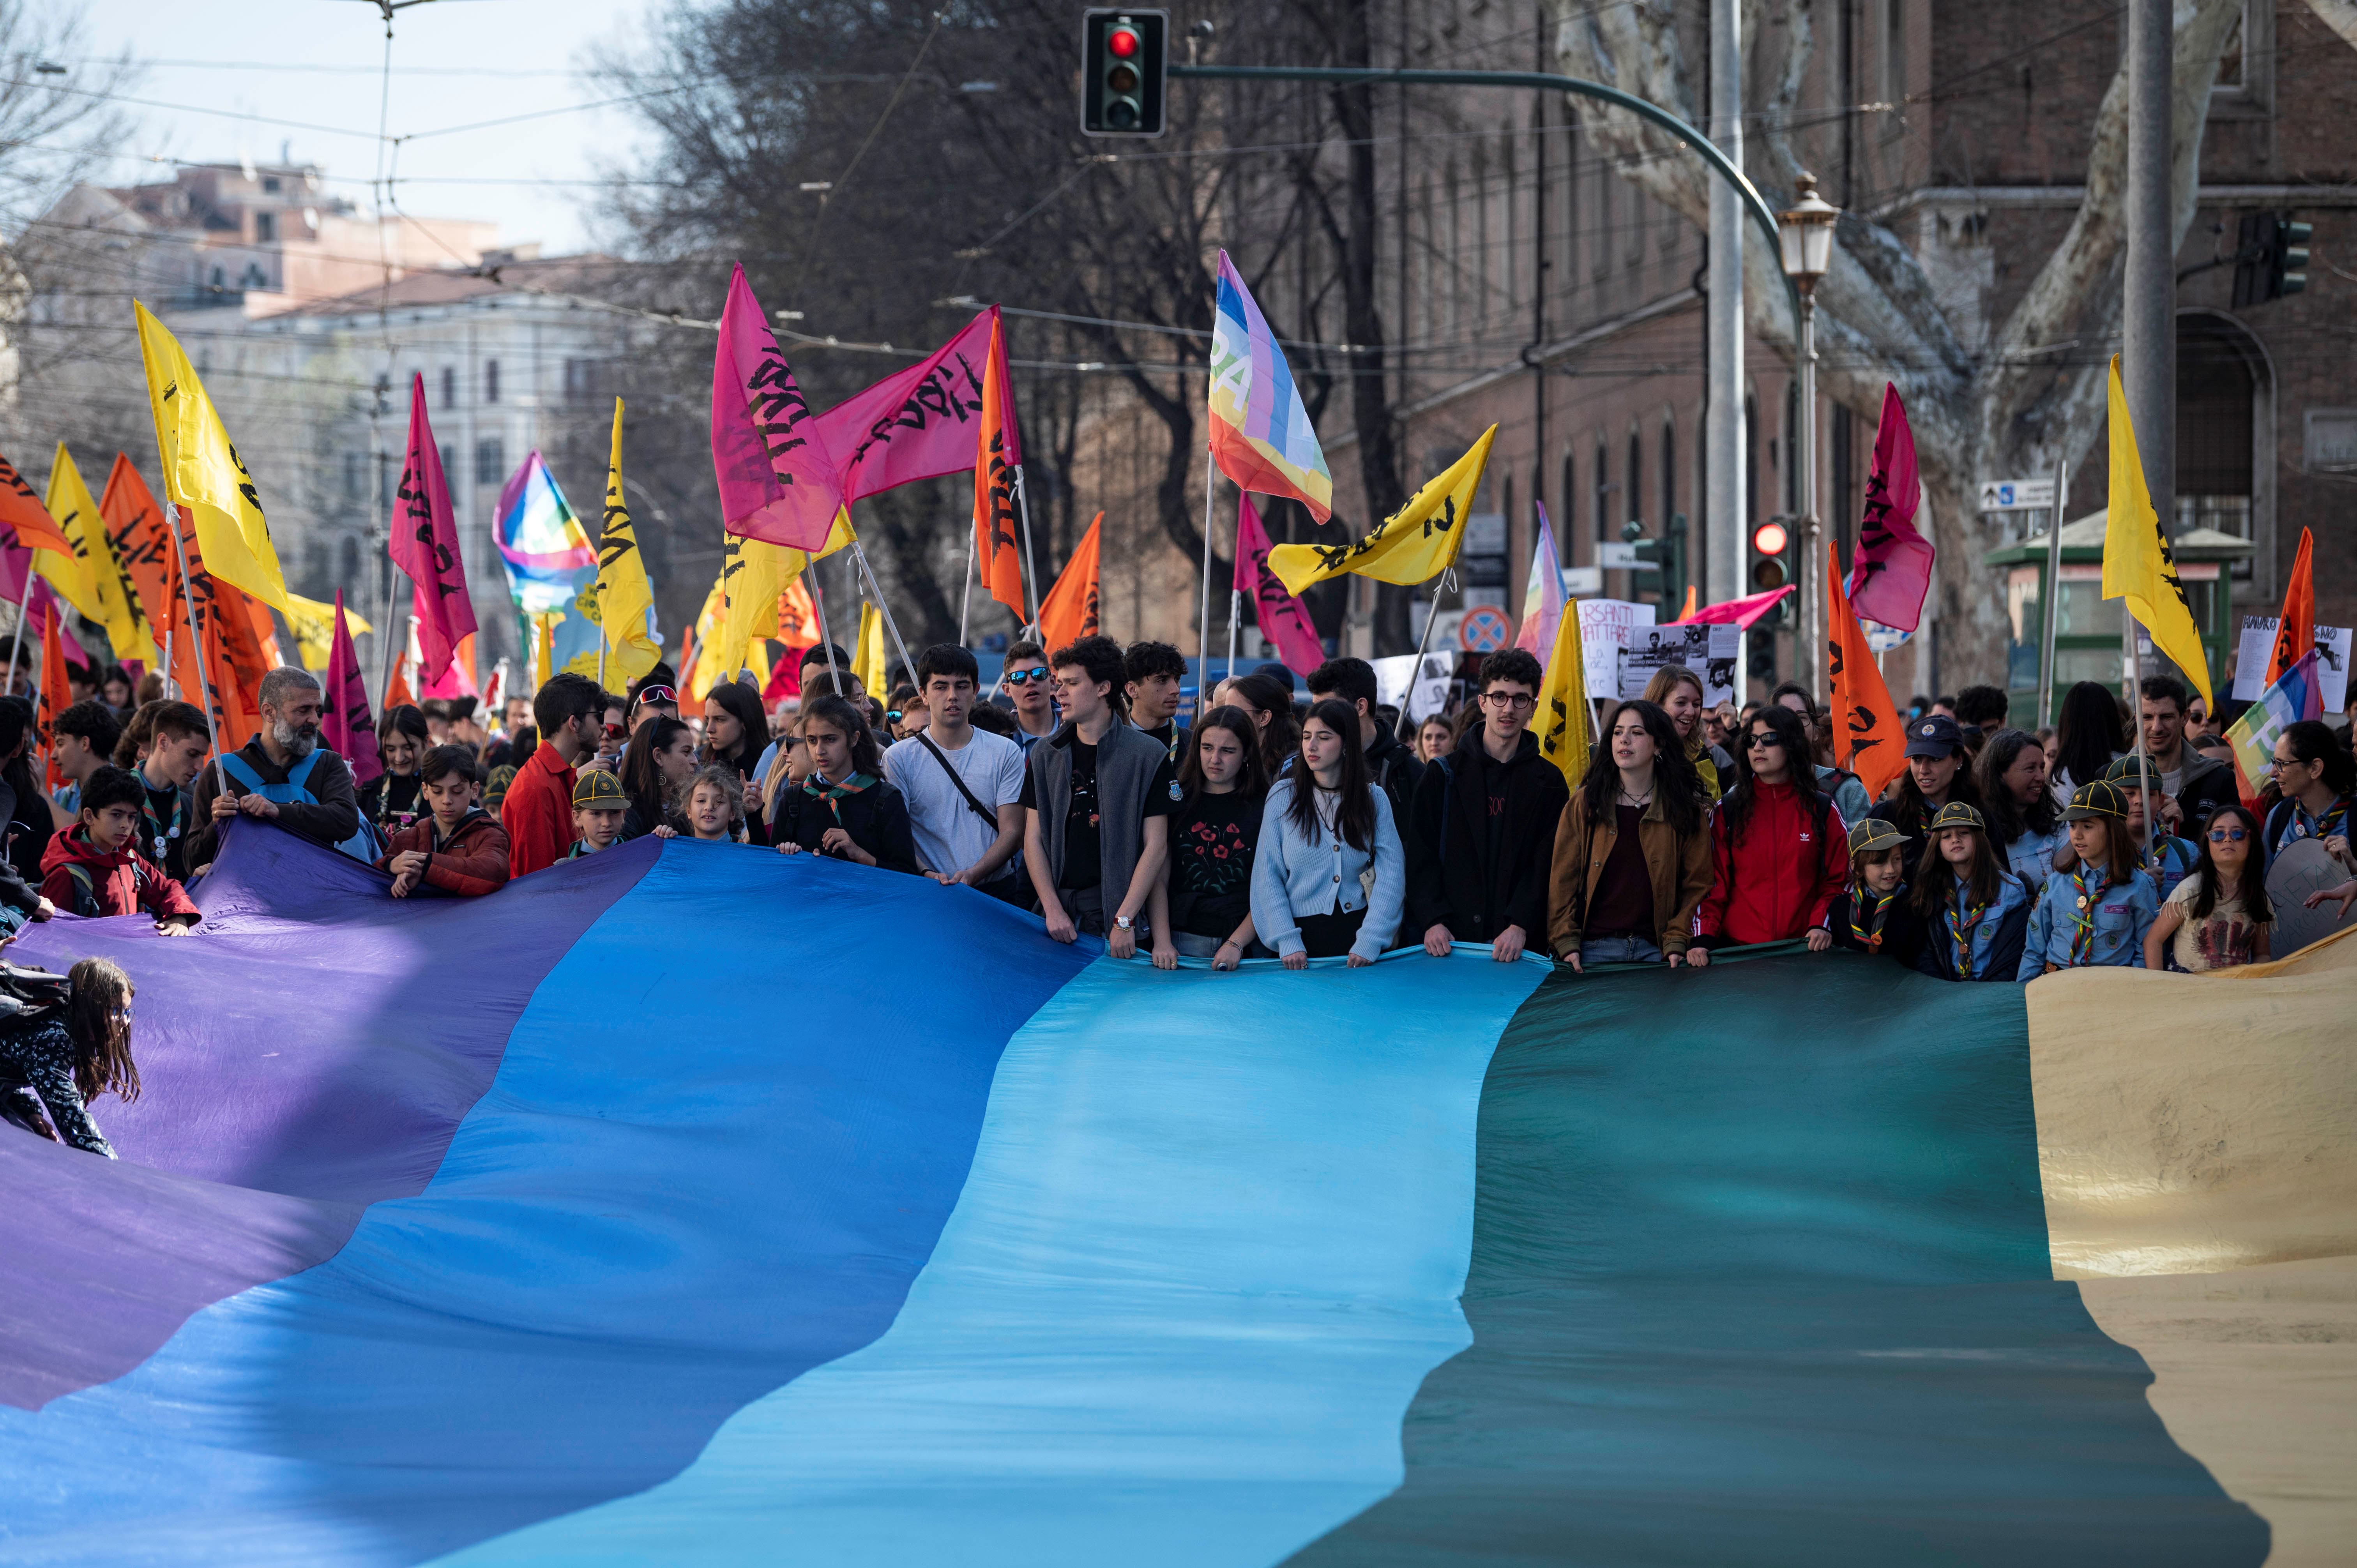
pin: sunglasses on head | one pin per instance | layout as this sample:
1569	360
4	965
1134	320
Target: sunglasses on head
657	694
1025	677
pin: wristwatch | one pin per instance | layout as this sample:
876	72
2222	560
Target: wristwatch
1125	922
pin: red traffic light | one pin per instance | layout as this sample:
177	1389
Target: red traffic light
1121	42
1770	538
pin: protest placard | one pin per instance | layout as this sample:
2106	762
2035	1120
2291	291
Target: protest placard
2258	642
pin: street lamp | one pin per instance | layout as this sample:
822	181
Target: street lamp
1805	235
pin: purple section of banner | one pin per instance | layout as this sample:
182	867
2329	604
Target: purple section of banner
262	1145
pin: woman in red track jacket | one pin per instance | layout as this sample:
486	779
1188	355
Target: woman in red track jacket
1778	848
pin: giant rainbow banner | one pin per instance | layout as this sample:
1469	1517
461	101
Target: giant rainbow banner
692	1205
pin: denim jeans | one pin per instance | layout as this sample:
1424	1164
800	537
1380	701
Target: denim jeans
1619	950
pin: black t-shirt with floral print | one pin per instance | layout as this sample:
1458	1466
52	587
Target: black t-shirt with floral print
1212	842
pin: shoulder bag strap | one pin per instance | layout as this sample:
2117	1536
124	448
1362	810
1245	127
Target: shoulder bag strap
984	812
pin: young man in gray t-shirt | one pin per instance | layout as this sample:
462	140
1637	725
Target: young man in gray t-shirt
962	784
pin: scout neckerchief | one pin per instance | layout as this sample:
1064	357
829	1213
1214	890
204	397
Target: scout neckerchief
1962	920
2335	823
818	788
159	832
2083	918
1870	935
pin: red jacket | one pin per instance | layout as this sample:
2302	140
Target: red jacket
538	813
1777	883
473	861
117	882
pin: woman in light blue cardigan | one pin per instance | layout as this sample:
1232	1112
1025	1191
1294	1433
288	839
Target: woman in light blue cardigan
1308	898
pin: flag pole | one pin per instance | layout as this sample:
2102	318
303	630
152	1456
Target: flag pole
875	592
197	641
965	599
1030	571
167	671
1235	609
1203	637
825	636
2144	782
24	601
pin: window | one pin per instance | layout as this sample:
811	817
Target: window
270	185
1603	494
1570	501
1513	286
355	477
1843	461
490	461
1791	465
449	386
1635	510
1483	251
2233	75
490	380
1669	473
266	227
1752	459
1894	52
2215	469
347	575
449	460
218	278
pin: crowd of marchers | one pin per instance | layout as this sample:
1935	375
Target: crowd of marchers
1268	828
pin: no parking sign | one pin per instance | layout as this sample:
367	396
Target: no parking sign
1484	629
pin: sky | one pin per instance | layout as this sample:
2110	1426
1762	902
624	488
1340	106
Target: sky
230	67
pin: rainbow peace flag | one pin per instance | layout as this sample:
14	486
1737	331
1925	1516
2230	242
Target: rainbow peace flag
1261	437
2297	693
491	1231
546	550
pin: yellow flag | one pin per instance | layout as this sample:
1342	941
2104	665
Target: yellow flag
1415	545
1561	714
77	518
698	678
202	471
2138	563
314	626
619	601
792	561
752	575
867	658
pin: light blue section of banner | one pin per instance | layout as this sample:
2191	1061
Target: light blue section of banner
1210	1245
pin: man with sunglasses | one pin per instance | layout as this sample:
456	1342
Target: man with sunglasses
1034	692
1480	839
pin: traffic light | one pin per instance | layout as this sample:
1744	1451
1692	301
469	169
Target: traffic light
1125	57
1666	555
2270	257
1771	564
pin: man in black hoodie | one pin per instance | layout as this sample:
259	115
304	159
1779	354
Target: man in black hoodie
1480	834
1392	765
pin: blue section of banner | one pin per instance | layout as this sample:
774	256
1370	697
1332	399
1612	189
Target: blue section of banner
1212	1245
702	1170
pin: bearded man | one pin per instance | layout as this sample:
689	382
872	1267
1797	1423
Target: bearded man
281	774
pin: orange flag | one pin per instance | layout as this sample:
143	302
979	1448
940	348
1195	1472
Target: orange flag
1070	610
2296	633
797	616
22	511
57	696
1867	738
997	561
399	695
233	661
136	531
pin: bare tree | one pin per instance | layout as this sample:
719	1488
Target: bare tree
2017	403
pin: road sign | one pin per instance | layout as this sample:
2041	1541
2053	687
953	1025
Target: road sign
1484	629
1623	557
2016	495
1582	582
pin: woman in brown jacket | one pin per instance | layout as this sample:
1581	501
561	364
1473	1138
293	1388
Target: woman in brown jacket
1633	855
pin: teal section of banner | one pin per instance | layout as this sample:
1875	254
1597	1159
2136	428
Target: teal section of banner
1760	1277
1212	1243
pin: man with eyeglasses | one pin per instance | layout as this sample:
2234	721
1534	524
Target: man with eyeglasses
1480	839
538	811
1033	690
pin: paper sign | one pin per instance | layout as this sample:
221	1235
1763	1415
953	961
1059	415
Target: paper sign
1602	623
1416	694
2258	641
1718	671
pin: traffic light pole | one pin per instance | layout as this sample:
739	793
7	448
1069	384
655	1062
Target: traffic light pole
1538	81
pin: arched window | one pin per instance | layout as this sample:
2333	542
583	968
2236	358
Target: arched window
2215	473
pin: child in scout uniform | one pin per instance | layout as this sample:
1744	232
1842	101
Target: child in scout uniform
2166	859
2097	906
1872	913
598	807
1976	911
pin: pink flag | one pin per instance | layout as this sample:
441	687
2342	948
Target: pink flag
1891	571
778	481
1281	616
921	423
345	723
1735	612
1542	599
426	543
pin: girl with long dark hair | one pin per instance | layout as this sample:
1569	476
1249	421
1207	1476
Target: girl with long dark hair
2087	735
1324	826
1975	912
394	800
24	812
2219	917
2024	821
1632	852
1270	703
1779	851
2096	907
843	808
655	772
62	1045
1202	906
